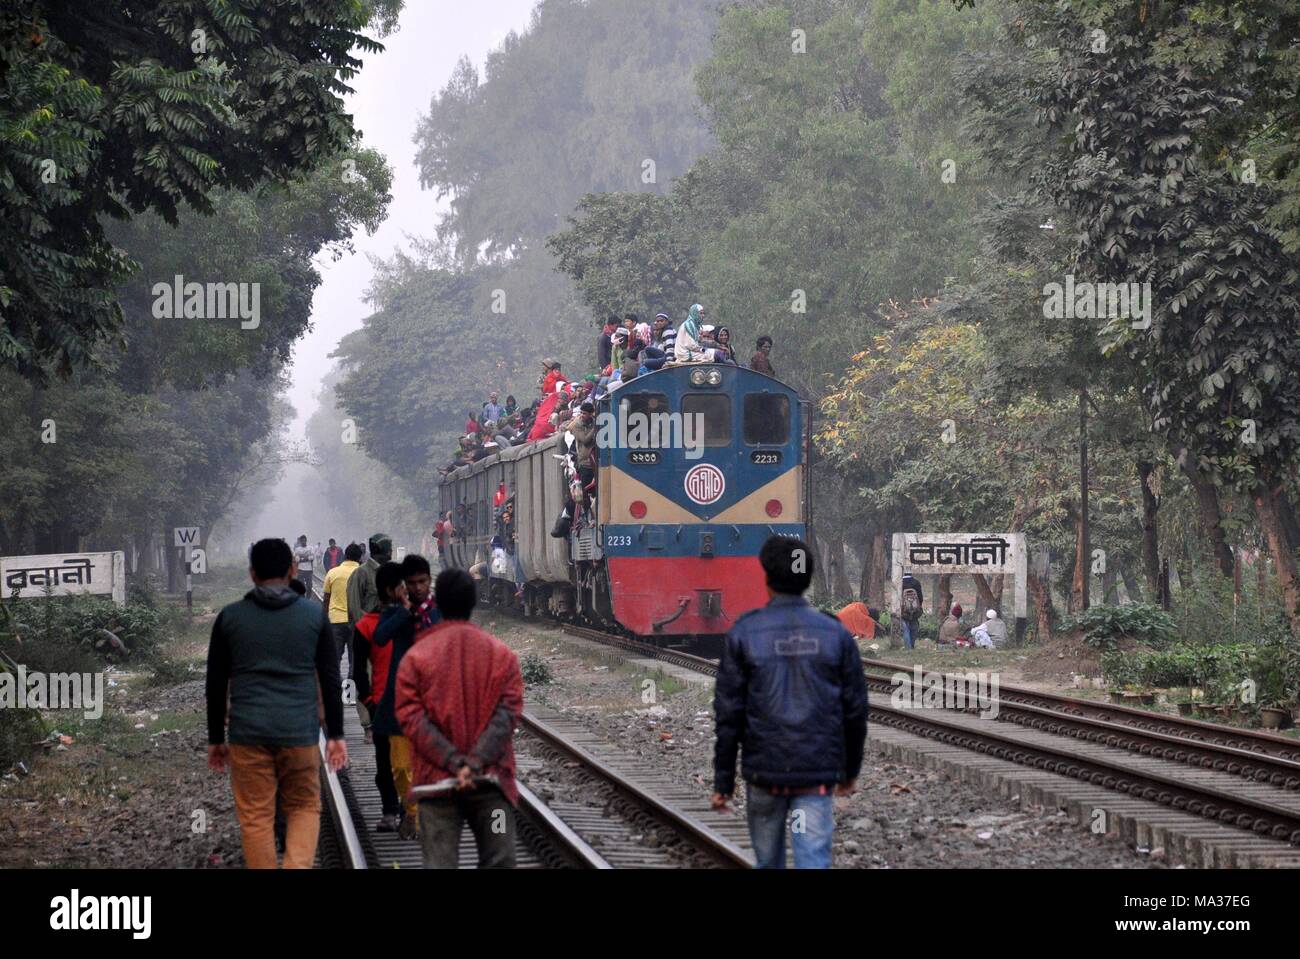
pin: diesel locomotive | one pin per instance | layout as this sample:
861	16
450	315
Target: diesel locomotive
698	465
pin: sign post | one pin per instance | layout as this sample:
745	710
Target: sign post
187	538
65	574
939	553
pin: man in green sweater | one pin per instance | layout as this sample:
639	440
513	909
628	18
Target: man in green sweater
272	664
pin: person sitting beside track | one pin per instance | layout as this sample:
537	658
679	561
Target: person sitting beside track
950	631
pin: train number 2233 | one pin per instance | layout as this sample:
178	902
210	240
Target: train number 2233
615	539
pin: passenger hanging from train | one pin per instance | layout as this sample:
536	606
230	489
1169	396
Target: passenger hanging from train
791	698
459	699
652	358
370	667
687	347
399	627
442	533
761	361
271	669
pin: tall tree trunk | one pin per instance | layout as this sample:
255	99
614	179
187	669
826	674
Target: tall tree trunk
880	570
1082	565
943	601
1044	612
1211	517
985	592
1109	578
1150	532
1131	584
1083	540
1275	533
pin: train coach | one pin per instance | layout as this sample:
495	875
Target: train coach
680	512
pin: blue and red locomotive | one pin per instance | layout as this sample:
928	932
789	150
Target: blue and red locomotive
680	512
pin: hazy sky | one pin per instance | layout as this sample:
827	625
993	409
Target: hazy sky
392	90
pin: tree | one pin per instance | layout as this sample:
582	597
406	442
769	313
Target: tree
124	108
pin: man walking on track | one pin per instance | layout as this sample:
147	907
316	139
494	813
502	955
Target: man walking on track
459	696
792	698
269	652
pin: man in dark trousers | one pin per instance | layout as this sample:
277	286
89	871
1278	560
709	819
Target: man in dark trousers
792	698
459	696
269	652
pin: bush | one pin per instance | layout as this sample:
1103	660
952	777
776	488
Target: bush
535	670
79	633
1104	626
1219	669
20	730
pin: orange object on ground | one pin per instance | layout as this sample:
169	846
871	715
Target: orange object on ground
858	621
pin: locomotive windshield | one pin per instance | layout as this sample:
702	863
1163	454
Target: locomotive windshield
716	410
767	419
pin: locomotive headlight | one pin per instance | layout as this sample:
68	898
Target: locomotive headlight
715	377
697	377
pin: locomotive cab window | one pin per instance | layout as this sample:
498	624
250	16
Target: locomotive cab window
645	407
767	419
715	408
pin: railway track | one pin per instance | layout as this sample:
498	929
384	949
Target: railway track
622	806
1243	779
632	824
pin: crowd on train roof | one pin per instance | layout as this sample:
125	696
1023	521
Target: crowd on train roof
625	349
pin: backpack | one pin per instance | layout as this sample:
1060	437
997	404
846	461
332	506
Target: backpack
911	603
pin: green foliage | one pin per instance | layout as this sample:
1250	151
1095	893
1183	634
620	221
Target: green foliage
84	630
1104	626
536	671
118	110
1219	669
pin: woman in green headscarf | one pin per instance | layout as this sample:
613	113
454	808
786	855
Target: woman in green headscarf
687	349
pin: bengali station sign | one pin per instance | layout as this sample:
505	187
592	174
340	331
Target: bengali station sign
991	554
64	574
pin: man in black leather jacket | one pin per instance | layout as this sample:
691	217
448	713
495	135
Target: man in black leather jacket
792	698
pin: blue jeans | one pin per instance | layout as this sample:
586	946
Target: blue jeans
812	823
908	639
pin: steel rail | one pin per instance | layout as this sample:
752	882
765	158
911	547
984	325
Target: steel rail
724	851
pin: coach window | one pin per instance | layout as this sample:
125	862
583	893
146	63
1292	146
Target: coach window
715	408
767	419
